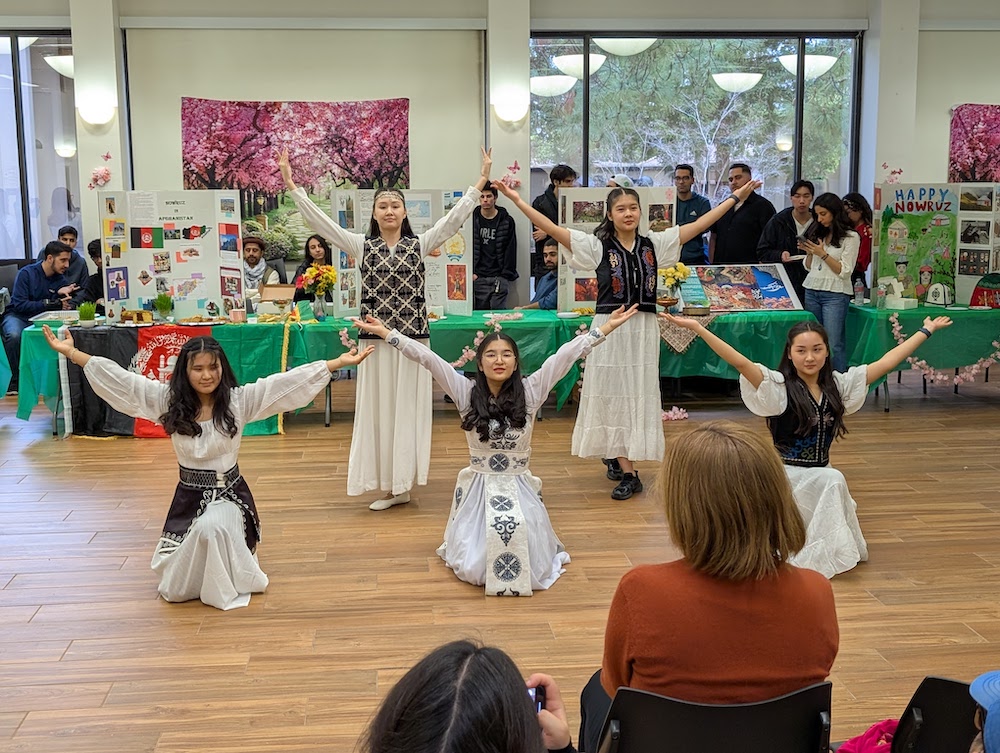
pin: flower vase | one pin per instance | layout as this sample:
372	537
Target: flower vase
319	307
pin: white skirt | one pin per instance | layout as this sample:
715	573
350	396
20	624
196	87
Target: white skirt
391	443
620	412
464	547
834	543
213	562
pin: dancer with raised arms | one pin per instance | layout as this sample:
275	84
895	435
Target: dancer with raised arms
391	443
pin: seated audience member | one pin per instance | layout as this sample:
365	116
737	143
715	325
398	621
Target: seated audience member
985	691
94	291
38	287
78	272
464	698
256	271
547	288
779	241
731	621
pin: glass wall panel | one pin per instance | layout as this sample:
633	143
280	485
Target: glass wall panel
828	114
11	223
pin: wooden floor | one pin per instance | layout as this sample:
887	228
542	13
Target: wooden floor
92	660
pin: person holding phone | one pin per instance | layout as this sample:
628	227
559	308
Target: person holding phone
499	533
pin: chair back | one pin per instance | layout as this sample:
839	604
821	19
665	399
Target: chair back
278	265
940	718
641	722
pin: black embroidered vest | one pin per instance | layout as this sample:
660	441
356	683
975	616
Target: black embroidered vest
625	277
811	450
392	286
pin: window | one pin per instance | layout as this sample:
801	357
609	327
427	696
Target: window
653	102
39	178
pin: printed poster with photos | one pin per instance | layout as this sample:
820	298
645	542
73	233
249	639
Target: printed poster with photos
740	287
184	243
583	209
448	283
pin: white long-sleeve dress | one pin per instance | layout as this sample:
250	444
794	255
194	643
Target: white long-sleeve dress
498	532
391	441
834	542
211	559
620	411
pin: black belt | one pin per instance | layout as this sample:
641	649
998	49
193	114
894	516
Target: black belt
210	479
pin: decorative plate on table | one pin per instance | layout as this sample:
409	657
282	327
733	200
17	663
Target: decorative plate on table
206	322
568	315
63	317
957	308
133	324
980	308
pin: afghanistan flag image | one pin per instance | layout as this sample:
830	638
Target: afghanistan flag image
147	237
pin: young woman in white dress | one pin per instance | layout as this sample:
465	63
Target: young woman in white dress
207	549
499	533
391	442
805	402
619	416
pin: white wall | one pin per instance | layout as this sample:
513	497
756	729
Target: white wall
953	68
439	71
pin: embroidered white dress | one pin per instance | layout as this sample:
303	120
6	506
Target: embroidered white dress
212	562
834	542
620	409
498	532
390	445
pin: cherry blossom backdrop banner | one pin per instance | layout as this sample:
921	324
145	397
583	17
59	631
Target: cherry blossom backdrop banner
226	144
974	151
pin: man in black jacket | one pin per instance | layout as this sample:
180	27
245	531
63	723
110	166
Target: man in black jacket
735	237
494	252
779	241
560	176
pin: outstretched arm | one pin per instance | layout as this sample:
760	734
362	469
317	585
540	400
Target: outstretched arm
452	222
455	384
724	350
538	219
703	223
894	357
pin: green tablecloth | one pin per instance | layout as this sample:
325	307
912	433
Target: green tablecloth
970	338
5	372
254	349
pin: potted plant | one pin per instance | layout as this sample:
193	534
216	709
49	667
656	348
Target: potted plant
86	312
164	304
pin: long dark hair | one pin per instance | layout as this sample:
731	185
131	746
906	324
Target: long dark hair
509	407
308	261
460	698
183	404
840	226
404	230
606	230
856	201
798	393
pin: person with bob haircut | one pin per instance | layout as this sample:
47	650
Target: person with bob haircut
831	248
731	621
619	416
499	533
859	212
805	402
208	547
467	698
391	442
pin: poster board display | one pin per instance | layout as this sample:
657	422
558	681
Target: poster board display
583	209
448	284
184	243
740	287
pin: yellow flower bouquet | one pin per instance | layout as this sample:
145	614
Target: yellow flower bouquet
674	275
318	279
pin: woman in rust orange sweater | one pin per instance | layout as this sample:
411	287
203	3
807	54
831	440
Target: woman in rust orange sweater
731	621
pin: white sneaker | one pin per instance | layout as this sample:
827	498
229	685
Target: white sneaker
385	504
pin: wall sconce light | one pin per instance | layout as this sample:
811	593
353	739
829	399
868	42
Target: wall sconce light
737	83
97	109
510	103
62	64
572	65
66	151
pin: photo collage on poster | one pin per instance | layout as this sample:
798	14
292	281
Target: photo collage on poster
182	243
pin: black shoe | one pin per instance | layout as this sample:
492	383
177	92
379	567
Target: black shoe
614	468
630	484
447	399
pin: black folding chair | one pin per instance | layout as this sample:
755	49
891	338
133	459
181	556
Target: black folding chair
940	718
641	722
